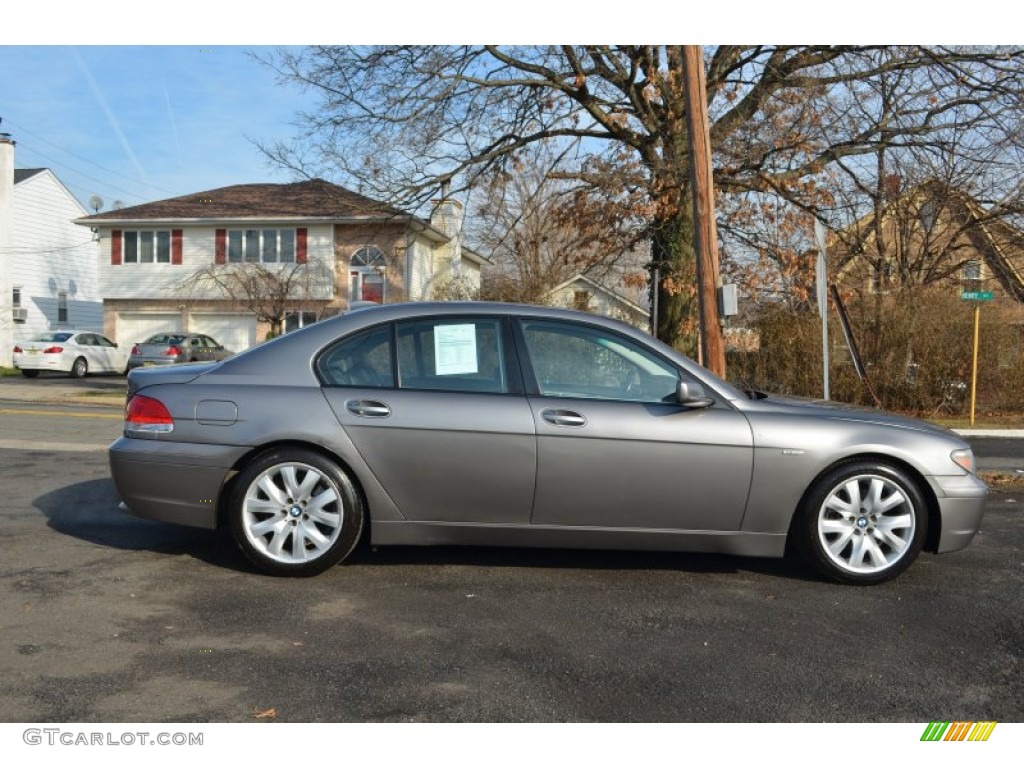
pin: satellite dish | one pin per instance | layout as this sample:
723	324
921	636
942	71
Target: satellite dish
96	202
117	205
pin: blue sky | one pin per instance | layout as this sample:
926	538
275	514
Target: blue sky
145	122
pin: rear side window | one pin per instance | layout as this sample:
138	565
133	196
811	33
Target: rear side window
363	360
452	355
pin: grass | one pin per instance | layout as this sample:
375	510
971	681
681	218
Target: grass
9	371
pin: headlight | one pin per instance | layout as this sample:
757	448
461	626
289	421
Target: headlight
963	458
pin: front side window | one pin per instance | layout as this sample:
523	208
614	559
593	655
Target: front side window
146	247
453	355
268	246
583	362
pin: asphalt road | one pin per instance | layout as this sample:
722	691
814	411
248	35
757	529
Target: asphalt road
106	618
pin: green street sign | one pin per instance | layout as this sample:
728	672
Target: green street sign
977	296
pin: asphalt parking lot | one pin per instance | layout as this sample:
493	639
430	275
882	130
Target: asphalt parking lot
107	618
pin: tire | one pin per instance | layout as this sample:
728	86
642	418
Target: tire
294	512
79	368
862	523
29	374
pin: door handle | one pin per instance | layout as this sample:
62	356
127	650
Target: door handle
562	418
371	408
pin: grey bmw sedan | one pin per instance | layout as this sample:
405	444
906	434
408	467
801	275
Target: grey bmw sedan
494	424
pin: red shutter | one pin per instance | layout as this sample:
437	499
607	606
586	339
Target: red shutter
221	247
300	245
175	246
115	247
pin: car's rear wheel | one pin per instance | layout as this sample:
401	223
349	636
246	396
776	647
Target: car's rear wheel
295	512
29	374
79	368
862	523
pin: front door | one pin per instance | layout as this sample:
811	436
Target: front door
614	449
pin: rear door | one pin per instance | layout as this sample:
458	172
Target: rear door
436	409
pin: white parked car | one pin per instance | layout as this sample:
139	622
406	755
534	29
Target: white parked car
76	353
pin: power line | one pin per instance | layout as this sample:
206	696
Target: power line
87	160
106	184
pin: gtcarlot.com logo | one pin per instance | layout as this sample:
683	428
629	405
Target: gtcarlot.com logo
959	731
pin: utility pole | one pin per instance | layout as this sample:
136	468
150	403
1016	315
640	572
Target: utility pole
705	230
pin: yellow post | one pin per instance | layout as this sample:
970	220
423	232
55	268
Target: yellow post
974	369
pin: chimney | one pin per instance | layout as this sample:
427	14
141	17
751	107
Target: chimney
446	218
6	244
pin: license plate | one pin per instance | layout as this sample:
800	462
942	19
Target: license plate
32	351
147	364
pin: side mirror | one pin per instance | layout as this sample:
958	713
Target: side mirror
692	395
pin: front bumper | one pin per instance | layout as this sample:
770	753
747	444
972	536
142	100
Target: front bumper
172	482
961	507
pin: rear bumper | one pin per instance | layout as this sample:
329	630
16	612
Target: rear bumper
149	362
172	482
40	363
961	507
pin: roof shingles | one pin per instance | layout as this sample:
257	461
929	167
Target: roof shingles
314	198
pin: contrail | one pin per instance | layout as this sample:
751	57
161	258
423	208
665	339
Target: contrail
174	123
96	92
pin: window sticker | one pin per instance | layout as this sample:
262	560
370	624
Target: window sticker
455	349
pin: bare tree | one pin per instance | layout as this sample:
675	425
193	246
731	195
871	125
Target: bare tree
403	119
269	291
540	229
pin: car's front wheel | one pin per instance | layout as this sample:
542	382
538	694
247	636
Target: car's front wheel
294	512
862	523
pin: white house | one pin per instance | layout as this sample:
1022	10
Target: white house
350	248
583	293
48	266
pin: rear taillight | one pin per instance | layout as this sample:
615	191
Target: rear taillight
146	414
53	350
18	350
136	350
172	351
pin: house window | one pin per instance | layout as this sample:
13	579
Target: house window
147	247
366	275
269	246
581	300
972	270
16	296
295	320
62	307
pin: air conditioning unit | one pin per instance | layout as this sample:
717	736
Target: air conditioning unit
19	314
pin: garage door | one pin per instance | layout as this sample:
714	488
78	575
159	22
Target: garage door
234	331
133	327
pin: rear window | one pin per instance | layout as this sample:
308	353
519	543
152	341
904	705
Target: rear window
165	338
53	337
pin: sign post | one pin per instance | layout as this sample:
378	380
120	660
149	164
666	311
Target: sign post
977	297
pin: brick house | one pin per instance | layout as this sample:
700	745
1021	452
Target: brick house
345	248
